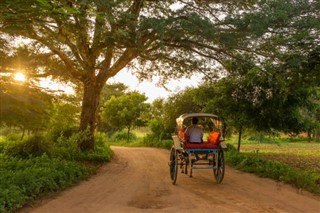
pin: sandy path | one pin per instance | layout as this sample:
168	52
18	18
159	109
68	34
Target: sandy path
137	180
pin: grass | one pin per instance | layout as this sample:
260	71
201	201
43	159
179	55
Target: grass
141	138
23	180
296	163
30	170
301	155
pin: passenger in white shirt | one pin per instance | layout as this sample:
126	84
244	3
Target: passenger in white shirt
194	132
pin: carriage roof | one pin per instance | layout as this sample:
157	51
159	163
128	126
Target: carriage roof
182	117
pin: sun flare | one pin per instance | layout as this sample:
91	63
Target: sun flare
19	77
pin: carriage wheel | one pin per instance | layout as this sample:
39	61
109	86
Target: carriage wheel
173	164
219	170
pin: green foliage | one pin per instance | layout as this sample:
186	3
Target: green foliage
162	121
21	181
34	166
180	103
158	129
109	90
162	40
35	145
67	148
23	105
123	136
125	111
63	120
151	140
12	136
279	163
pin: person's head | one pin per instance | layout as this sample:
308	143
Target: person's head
194	120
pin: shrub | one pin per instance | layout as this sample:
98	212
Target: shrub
67	148
158	129
36	145
22	180
123	136
13	136
101	152
55	133
151	140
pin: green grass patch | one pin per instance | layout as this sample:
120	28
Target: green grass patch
295	163
140	138
23	180
35	167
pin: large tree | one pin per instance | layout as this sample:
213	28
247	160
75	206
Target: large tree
91	41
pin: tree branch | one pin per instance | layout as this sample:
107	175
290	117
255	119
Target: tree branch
69	64
128	55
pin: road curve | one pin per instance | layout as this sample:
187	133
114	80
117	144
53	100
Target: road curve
137	180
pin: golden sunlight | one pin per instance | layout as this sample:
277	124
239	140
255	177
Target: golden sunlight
19	76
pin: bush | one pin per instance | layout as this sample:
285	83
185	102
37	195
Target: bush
55	133
35	145
158	130
101	152
2	143
151	140
67	148
123	136
22	180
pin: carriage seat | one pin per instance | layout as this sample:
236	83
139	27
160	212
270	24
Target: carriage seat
212	142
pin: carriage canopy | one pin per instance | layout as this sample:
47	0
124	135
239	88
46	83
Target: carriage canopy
180	120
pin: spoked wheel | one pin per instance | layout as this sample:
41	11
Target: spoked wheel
219	170
173	164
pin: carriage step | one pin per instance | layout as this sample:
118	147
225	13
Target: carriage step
203	167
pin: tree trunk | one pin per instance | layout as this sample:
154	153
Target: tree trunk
128	134
317	134
89	112
23	132
309	137
239	138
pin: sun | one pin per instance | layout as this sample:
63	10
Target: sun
19	77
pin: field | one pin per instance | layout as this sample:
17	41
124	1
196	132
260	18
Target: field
302	155
296	163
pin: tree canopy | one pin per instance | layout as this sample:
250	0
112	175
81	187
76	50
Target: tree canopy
90	41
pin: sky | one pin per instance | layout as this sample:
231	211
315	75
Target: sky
150	88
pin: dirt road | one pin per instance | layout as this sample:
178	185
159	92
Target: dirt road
137	180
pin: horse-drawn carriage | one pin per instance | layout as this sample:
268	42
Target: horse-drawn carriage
205	155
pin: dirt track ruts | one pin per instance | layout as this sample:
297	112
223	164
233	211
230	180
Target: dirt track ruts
137	180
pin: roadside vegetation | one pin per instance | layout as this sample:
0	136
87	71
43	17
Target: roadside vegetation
295	163
35	167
